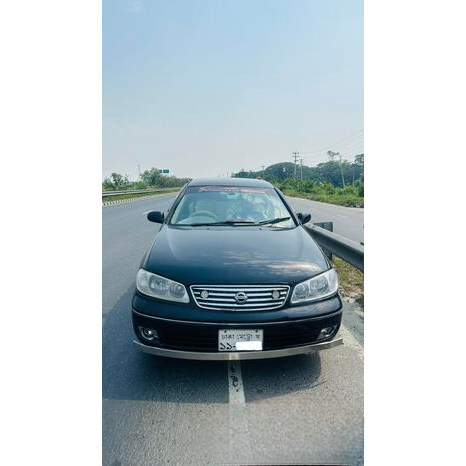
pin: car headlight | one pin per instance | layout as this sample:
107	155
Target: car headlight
156	286
322	286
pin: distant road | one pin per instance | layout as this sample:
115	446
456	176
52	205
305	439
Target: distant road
347	221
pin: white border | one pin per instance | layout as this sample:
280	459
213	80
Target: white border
51	141
51	233
414	235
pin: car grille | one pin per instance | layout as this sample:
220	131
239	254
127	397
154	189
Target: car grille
241	297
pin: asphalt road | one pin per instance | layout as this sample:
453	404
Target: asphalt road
347	221
304	409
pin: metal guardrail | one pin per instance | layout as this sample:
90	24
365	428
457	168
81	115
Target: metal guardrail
348	250
136	191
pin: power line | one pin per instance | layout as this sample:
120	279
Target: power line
352	151
336	143
351	147
322	160
351	142
333	144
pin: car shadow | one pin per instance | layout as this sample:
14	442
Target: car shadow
278	377
128	374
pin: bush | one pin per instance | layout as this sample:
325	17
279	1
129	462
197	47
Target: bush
107	185
329	188
348	196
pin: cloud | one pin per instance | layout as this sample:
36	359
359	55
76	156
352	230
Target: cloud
136	6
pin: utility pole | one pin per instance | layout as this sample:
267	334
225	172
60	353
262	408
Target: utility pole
295	156
301	161
139	171
353	174
341	169
263	171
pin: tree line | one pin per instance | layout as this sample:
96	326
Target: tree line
149	179
335	181
335	172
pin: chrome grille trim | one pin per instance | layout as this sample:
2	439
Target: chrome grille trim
222	297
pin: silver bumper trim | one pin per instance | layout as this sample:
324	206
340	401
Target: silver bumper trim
241	324
235	356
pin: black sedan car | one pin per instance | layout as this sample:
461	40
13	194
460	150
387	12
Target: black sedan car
233	274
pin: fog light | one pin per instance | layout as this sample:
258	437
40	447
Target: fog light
326	332
148	333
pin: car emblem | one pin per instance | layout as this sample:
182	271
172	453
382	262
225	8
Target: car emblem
241	297
275	294
204	294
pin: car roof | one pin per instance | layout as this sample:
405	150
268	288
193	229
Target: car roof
246	182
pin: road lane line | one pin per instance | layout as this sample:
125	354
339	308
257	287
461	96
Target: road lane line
235	383
238	430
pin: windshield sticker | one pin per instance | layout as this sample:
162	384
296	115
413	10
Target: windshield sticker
232	189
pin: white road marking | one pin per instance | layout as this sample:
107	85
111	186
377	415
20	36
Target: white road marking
235	383
239	441
349	340
145	213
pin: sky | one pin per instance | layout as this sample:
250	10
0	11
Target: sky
209	87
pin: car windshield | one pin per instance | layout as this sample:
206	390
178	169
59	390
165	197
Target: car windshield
231	205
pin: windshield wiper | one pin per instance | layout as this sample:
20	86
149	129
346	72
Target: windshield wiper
227	222
273	221
236	222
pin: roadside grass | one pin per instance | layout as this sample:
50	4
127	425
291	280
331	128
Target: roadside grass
118	197
338	198
351	281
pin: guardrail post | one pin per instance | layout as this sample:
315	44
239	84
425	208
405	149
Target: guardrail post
326	226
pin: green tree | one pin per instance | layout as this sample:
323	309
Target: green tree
151	177
361	186
107	185
358	166
359	160
154	179
117	180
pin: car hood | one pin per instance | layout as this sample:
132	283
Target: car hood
235	255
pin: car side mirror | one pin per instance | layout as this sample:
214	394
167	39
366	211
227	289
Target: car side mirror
304	217
156	216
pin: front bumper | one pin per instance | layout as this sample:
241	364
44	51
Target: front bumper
238	355
287	332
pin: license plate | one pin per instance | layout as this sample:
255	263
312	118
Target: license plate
240	340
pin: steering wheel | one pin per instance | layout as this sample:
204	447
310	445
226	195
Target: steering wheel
204	213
